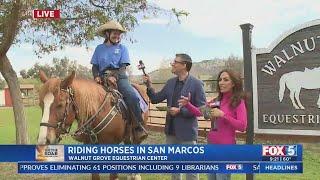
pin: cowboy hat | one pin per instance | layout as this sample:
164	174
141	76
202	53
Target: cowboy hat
110	25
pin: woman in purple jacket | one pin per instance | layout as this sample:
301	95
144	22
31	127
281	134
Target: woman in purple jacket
230	117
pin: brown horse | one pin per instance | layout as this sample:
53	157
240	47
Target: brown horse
63	101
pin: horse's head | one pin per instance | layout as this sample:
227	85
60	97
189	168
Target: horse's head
56	99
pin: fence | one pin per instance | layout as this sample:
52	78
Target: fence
157	113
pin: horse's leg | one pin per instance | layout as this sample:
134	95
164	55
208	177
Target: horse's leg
113	177
132	176
95	176
292	99
296	95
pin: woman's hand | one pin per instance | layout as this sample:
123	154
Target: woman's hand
215	112
184	100
112	81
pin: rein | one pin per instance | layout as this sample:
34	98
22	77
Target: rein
62	125
86	128
92	132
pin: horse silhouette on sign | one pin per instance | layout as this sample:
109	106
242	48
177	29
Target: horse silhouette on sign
295	80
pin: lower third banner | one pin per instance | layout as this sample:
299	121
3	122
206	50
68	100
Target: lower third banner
174	167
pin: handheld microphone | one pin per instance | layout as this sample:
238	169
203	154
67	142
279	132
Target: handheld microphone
214	104
206	111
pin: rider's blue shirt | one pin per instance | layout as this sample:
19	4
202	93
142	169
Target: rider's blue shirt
110	56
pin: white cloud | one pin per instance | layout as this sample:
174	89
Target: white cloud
80	54
151	60
23	57
221	19
160	21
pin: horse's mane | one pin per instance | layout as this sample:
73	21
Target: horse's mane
89	97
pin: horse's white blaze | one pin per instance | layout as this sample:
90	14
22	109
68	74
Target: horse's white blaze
47	101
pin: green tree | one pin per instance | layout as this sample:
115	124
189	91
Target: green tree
24	74
62	67
235	63
33	72
84	72
59	68
77	26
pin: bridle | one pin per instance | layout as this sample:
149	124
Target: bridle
62	125
87	128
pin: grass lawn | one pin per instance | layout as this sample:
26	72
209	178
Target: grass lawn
311	154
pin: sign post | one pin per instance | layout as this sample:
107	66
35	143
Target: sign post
247	61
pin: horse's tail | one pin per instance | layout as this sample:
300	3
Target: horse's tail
282	87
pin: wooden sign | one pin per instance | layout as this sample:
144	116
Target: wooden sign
286	83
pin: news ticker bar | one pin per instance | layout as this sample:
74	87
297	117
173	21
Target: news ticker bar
150	153
173	167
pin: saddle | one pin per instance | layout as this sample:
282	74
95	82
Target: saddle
124	110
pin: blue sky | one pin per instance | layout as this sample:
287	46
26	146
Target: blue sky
211	30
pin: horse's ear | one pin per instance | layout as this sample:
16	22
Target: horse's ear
68	80
43	76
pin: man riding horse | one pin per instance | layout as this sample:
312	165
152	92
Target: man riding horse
109	63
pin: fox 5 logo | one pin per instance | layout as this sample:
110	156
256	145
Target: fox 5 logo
279	150
234	166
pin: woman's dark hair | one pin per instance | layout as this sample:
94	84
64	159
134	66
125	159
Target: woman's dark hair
237	90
